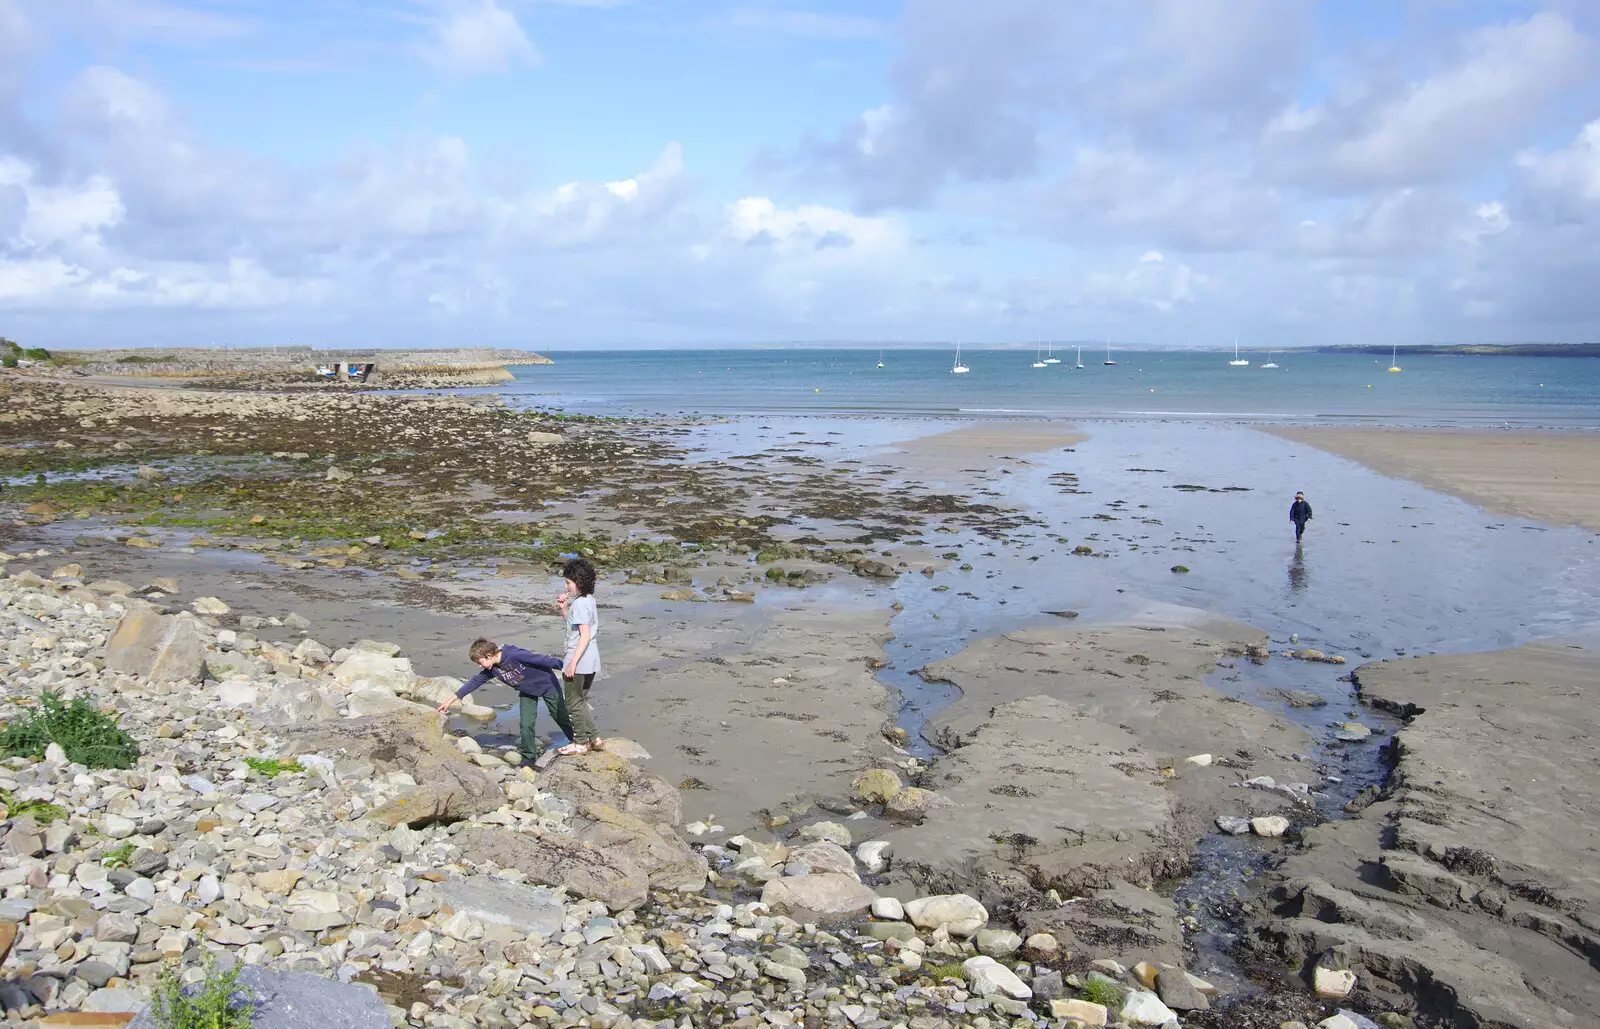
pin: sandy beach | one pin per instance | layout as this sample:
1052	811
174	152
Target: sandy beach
1544	476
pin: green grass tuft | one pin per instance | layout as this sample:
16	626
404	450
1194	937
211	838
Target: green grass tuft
1110	995
937	972
89	736
217	1002
42	812
272	767
118	857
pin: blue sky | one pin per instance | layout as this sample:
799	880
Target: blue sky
649	172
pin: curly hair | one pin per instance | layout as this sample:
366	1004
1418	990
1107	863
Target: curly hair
581	572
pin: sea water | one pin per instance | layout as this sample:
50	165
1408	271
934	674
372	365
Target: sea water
1468	391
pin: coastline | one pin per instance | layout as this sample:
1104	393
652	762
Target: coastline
765	607
1547	477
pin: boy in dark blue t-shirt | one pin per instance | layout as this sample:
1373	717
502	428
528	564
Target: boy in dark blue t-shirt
534	678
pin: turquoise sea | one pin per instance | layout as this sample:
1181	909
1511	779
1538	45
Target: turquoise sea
1557	393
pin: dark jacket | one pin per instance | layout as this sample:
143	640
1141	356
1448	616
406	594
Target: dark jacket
1299	511
532	675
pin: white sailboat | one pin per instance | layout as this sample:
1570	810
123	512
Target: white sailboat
1108	360
1038	359
1080	357
880	359
1270	363
1237	361
1050	355
959	368
1394	358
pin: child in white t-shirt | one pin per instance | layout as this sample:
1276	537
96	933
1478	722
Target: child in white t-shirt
582	665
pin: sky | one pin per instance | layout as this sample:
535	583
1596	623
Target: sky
608	173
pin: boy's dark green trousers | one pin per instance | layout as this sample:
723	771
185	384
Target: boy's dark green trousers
528	714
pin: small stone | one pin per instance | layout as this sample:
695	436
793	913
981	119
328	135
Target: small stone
1178	993
117	827
888	908
210	606
1233	825
1202	760
1042	943
988	977
1333	983
1146	1009
997	943
1092	1016
875	786
874	856
1269	825
830	832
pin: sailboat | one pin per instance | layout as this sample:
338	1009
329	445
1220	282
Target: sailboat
1237	361
1270	363
1394	358
880	359
1038	361
1108	354
959	368
1050	356
1080	357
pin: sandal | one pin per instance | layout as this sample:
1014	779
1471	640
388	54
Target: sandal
573	749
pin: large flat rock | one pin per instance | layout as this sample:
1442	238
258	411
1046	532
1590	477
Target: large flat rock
527	909
295	1000
1472	889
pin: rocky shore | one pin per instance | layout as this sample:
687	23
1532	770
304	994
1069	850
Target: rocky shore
763	825
1467	885
294	808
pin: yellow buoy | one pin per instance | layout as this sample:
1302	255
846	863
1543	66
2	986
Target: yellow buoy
816	391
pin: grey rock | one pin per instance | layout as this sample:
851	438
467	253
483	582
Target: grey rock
1178	993
95	973
1233	825
529	910
294	1000
162	648
551	860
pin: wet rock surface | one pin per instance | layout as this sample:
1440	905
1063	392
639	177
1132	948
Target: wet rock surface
1461	895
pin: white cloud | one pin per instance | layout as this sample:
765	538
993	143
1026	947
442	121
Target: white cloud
479	37
1573	171
802	24
1491	94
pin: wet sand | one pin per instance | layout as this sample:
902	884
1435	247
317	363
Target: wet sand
1546	477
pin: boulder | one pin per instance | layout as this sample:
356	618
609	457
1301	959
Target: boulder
364	669
1269	825
600	777
912	804
823	856
527	909
210	606
874	855
831	832
412	741
1088	1013
1178	992
296	702
162	648
1143	1008
292	1000
584	869
875	786
958	914
988	977
667	861
998	943
828	897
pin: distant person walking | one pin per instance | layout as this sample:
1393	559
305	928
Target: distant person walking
1299	514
